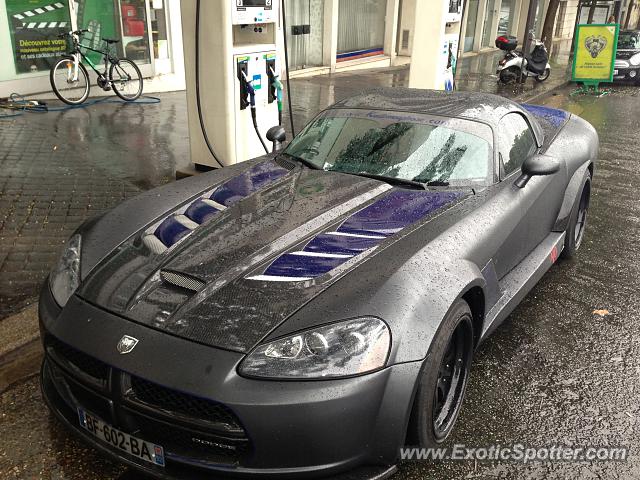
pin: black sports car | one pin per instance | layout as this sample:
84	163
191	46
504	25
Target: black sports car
309	312
627	64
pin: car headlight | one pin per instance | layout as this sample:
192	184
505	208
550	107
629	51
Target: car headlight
65	277
635	60
343	349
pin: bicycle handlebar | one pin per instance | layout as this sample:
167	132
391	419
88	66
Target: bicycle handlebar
73	32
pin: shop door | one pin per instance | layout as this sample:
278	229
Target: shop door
304	33
160	36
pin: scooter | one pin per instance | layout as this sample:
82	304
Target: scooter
535	65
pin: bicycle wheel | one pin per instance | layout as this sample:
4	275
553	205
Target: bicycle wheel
69	90
126	78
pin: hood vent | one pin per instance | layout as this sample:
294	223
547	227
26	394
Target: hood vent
181	280
284	163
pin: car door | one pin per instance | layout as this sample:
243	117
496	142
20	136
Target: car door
539	201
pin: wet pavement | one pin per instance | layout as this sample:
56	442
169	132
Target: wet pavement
59	168
554	373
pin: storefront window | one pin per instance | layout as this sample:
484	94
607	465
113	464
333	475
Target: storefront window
360	28
34	27
487	27
472	19
507	10
119	19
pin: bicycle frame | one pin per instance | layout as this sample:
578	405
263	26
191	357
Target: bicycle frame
79	55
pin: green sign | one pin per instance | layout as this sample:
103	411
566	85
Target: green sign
34	27
595	53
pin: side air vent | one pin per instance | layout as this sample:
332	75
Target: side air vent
181	280
284	163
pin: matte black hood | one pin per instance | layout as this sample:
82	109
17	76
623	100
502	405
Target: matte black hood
229	265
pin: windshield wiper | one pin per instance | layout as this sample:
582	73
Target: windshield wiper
305	162
438	183
391	180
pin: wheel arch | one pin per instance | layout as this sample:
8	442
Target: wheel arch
572	195
475	298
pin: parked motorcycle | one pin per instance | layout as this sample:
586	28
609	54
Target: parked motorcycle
536	64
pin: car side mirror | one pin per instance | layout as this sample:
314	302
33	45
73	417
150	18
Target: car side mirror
276	135
537	165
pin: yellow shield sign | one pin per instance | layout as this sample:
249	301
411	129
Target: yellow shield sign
595	53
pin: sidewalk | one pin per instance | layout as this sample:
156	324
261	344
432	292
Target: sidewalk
477	73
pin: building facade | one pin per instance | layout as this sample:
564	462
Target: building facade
323	36
149	32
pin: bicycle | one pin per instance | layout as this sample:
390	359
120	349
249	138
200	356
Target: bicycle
70	79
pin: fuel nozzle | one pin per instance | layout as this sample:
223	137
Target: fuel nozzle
277	84
250	91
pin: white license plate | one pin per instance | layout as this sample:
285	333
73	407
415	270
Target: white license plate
147	451
615	72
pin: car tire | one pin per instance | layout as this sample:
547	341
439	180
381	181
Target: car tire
578	221
437	403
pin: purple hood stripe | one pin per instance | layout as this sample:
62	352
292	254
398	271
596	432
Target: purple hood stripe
384	217
395	211
247	183
326	243
170	231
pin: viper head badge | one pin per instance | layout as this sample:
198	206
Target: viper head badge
595	44
126	344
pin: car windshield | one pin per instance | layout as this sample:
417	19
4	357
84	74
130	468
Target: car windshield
397	145
629	40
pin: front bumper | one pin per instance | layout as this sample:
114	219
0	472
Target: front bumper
626	73
266	428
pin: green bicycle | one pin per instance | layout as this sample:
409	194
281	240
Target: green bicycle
70	79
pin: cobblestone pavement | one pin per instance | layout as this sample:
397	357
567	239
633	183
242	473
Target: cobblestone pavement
59	168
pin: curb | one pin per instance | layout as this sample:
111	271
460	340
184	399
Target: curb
20	349
539	96
20	364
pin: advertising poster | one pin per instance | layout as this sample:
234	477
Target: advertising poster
34	27
595	53
453	11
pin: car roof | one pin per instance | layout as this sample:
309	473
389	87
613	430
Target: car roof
471	105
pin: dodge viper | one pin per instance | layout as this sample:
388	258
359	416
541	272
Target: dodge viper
310	312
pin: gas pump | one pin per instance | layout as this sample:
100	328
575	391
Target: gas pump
234	94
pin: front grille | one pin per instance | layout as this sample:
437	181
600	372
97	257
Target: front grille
192	430
184	442
621	64
189	406
76	360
